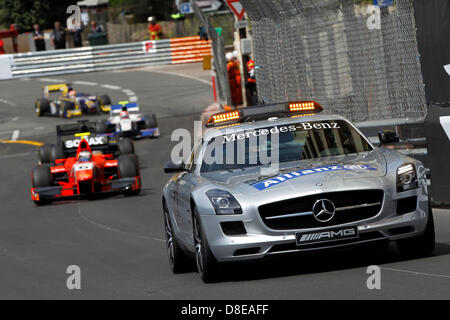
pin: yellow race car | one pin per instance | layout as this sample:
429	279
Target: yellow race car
63	101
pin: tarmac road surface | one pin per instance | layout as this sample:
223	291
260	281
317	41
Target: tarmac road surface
118	242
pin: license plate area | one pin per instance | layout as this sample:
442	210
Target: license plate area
326	235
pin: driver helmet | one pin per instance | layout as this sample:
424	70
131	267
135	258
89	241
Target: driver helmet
72	93
124	113
84	156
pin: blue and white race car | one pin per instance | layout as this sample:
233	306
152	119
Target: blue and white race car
125	120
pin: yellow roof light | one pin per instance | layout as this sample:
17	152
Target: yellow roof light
224	117
304	106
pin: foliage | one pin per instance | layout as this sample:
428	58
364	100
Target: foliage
25	13
142	9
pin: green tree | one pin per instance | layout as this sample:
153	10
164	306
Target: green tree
25	13
161	9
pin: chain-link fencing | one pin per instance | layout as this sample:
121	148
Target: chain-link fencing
356	59
220	62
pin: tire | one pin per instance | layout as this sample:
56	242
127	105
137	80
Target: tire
45	154
419	246
41	177
57	152
125	146
100	126
42	106
127	167
135	158
150	121
207	265
103	100
178	261
63	109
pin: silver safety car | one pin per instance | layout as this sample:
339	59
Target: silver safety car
279	179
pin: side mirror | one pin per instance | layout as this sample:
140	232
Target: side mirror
387	137
172	167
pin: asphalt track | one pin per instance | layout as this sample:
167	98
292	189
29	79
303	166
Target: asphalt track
118	241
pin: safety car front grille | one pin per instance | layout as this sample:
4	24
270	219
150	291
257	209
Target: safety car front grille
296	213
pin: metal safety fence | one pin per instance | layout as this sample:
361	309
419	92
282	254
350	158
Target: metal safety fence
109	57
221	83
358	60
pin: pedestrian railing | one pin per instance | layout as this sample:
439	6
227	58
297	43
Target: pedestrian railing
109	57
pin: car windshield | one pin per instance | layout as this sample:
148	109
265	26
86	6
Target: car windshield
282	143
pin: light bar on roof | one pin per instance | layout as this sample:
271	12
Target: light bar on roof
264	111
304	106
224	117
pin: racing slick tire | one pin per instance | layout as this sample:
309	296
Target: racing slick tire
150	121
41	177
64	108
128	169
100	126
125	146
104	100
207	265
57	152
45	154
178	261
419	246
42	106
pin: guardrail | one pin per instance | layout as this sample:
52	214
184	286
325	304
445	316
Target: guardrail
109	57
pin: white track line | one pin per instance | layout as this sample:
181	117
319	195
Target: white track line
417	273
85	83
181	75
111	87
52	80
8	102
15	135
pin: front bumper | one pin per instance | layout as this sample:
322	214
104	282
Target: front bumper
260	241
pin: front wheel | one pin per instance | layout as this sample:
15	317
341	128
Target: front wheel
104	102
207	265
419	246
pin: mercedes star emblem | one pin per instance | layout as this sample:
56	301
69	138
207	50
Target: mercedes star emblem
323	210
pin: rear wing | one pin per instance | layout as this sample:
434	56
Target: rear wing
131	107
71	134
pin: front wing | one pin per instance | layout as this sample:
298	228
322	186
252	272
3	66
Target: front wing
68	191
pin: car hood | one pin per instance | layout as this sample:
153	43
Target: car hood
324	172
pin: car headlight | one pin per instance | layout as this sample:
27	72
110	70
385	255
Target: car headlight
223	202
407	177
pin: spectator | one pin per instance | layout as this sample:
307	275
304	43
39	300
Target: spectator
58	38
154	29
38	37
76	37
95	28
2	50
203	34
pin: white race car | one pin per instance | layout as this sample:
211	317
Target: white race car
126	121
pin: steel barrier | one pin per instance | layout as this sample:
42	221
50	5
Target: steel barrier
109	57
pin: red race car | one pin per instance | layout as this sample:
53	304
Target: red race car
86	174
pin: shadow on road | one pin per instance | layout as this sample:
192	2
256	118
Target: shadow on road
319	262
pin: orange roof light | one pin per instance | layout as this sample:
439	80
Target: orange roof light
224	117
304	106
